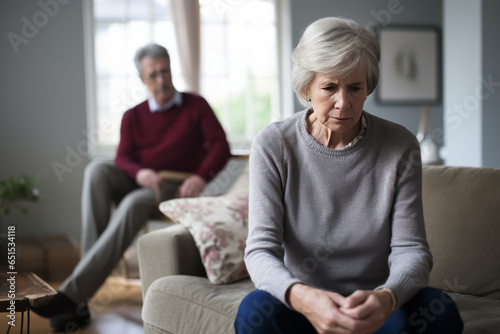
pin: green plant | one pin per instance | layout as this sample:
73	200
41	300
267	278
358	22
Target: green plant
14	190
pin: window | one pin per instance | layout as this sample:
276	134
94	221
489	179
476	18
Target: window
239	66
239	69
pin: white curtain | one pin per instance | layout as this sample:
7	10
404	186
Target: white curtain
186	17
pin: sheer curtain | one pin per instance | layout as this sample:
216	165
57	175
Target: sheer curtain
186	18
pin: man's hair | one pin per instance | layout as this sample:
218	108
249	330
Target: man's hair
337	47
151	51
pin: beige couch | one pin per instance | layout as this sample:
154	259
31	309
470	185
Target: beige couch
462	216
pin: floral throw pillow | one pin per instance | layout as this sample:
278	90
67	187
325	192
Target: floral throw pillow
219	226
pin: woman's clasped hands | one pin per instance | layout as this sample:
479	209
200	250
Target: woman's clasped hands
364	311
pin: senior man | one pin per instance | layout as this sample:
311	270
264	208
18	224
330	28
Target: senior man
169	131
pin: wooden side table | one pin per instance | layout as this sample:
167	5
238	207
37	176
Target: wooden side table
19	291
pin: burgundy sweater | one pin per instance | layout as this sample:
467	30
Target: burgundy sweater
186	138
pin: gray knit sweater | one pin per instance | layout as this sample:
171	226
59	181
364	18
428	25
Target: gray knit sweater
338	220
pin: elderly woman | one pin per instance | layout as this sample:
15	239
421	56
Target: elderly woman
337	239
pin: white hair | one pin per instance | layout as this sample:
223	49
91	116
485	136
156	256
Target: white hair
336	47
151	51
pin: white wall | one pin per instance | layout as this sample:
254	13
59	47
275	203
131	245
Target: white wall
472	77
462	73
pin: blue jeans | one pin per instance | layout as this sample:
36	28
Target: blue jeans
429	311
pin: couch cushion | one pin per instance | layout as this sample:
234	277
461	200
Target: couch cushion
462	220
479	314
188	304
219	226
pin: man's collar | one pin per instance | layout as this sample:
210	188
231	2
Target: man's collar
176	100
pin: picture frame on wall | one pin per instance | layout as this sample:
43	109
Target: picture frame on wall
410	65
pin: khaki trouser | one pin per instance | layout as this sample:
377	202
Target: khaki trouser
106	234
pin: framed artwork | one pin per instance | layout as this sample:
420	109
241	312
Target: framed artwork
410	65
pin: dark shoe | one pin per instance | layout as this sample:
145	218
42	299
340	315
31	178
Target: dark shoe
71	322
59	304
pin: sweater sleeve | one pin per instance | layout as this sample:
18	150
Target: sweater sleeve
410	260
125	155
217	147
264	253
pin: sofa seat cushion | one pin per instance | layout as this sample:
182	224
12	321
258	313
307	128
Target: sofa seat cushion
479	314
188	304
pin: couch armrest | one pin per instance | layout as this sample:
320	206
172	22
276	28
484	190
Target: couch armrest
165	252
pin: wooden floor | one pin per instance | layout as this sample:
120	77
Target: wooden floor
116	308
